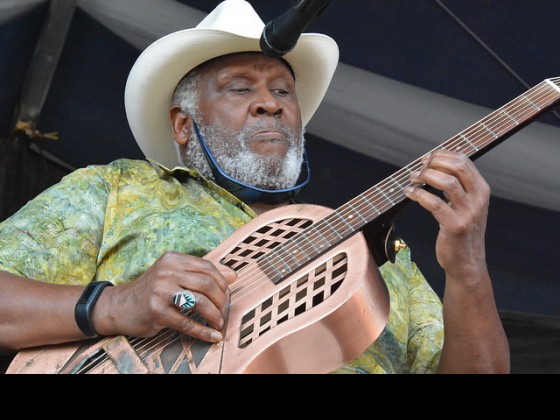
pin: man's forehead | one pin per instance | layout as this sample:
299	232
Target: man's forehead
242	57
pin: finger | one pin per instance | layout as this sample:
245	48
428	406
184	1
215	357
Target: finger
187	300
457	164
200	265
447	183
447	172
197	274
188	325
184	300
431	202
230	275
203	286
474	190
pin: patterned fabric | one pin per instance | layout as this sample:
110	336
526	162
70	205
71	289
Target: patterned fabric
112	222
412	339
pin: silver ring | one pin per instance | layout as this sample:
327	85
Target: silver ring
184	299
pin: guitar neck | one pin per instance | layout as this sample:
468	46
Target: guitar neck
384	196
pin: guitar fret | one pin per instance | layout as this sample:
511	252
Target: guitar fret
411	168
319	236
375	209
278	273
343	219
299	252
299	247
288	266
384	195
364	220
531	102
510	117
311	243
469	143
333	229
490	131
398	187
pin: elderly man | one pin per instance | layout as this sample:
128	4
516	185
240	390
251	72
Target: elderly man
148	228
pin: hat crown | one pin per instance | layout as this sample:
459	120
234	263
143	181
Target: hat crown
234	16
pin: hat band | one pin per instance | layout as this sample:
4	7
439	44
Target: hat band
248	193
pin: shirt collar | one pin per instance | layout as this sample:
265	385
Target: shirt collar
179	172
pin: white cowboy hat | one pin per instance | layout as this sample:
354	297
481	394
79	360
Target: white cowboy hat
233	26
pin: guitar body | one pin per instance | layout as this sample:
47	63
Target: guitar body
313	320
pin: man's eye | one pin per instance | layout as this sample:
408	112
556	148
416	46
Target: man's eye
240	90
281	92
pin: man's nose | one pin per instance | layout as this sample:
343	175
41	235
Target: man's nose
266	103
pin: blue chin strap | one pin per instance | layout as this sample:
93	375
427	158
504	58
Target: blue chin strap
248	193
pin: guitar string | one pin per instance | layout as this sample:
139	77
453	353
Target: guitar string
509	115
480	129
474	140
157	339
488	124
139	344
512	112
494	122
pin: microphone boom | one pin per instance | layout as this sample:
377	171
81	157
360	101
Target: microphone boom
280	35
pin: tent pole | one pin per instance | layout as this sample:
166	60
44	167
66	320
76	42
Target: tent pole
23	136
45	59
40	73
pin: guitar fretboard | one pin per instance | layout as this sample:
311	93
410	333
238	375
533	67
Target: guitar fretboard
384	196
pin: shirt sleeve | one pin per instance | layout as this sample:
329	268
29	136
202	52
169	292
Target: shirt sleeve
55	237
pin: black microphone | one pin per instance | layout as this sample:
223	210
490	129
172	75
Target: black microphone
281	34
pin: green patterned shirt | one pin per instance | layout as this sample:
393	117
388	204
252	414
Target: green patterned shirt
112	222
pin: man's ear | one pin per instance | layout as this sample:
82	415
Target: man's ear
181	125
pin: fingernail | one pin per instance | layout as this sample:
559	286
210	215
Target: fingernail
408	190
216	336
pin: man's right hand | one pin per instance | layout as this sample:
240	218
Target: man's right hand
145	306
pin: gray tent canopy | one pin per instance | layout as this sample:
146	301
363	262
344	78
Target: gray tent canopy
412	74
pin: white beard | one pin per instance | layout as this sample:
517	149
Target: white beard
241	163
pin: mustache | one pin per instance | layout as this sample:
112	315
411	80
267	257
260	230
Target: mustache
275	125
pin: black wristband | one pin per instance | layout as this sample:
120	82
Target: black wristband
84	306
